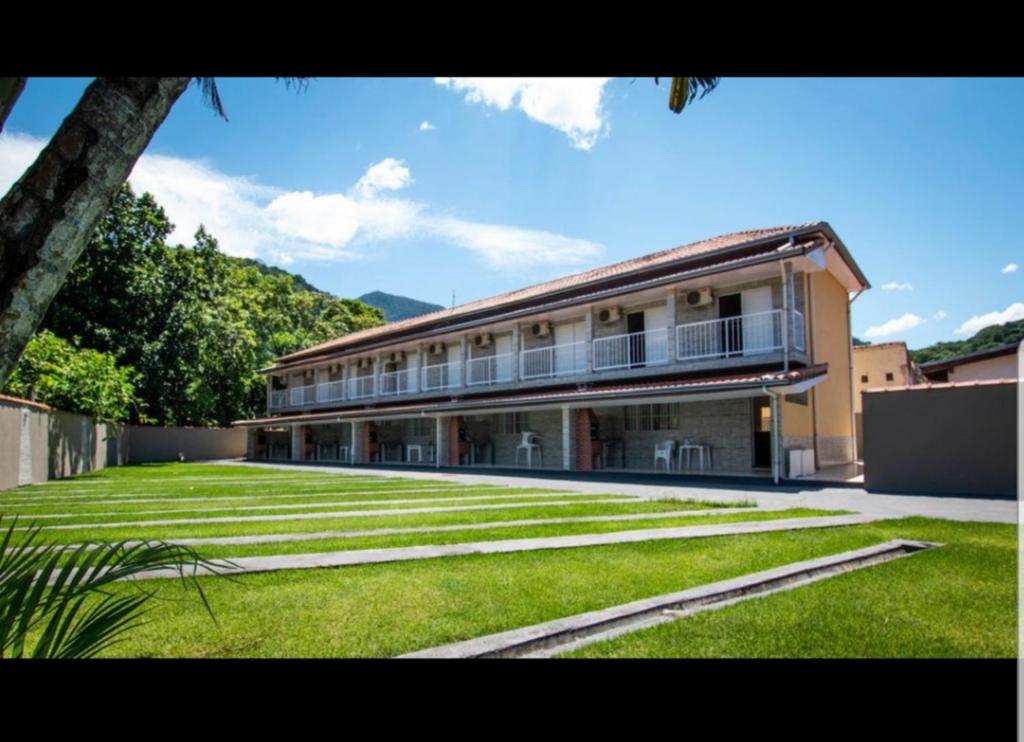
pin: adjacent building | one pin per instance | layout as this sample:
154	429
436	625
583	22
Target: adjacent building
983	365
729	355
879	366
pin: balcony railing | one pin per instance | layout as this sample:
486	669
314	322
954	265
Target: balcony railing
441	376
631	350
554	360
727	337
330	391
362	387
745	335
490	370
397	382
302	395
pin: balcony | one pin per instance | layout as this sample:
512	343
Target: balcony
725	341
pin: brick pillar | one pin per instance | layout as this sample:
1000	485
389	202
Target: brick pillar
308	447
454	447
583	446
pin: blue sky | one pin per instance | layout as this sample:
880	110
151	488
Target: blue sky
518	181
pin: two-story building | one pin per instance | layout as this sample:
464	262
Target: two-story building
731	355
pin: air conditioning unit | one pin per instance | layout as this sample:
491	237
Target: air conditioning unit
365	362
698	297
540	329
436	349
609	314
397	357
483	341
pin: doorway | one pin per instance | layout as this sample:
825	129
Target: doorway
730	309
762	418
637	348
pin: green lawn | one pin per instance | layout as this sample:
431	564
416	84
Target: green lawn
955	601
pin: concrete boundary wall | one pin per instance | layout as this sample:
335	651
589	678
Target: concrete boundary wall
943	439
39	443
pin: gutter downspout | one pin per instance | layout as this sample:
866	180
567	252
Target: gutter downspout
776	435
853	414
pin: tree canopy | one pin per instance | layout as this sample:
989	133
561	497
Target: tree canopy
195	324
985	339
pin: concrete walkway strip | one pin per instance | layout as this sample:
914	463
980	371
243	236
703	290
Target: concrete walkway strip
338	504
120	495
617	500
566	634
240	565
277	538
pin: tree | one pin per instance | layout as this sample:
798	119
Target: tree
49	214
54	371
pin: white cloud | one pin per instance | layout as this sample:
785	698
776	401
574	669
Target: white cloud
253	220
570	104
427	126
893	286
1010	268
1013	312
941	314
507	247
900	324
387	175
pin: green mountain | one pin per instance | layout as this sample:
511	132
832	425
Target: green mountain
301	284
985	339
398	307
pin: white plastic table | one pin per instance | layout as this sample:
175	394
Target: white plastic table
689	448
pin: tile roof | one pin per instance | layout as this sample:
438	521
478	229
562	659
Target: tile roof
941	385
676	386
623	268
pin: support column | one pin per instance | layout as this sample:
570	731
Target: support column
463	367
787	315
776	440
567	439
584	446
297	443
270	391
588	338
454	446
441	442
670	318
515	353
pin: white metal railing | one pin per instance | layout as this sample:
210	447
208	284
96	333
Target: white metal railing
278	399
554	360
746	334
330	391
362	387
648	348
397	382
302	395
490	370
440	376
799	330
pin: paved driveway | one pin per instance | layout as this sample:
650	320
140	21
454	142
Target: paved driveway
769	498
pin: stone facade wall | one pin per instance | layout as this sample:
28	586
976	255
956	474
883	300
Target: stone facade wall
724	425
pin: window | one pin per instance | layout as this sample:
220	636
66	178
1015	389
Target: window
421	426
512	422
888	376
641	418
864	379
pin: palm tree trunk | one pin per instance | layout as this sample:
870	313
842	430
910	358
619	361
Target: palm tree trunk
10	89
47	217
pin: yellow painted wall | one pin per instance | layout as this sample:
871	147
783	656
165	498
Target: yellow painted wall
875	361
831	338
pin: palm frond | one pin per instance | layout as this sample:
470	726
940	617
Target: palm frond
61	596
208	87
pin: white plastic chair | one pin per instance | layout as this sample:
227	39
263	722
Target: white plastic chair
529	442
663	452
